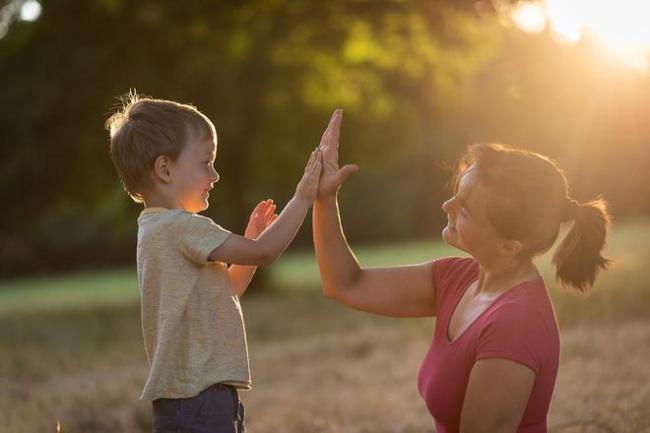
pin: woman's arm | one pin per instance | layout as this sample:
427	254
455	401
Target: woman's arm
496	396
392	291
398	291
276	238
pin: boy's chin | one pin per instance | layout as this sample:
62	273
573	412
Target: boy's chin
197	207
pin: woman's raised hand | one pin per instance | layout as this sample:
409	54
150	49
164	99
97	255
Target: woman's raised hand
332	177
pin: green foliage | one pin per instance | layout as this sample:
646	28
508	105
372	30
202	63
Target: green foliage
418	81
267	73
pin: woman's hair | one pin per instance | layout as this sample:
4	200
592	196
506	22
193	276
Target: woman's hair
529	200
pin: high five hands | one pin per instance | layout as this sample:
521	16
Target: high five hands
332	177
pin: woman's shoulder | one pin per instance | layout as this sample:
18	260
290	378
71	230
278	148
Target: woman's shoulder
527	307
450	275
528	298
451	268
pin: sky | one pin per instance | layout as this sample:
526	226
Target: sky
620	27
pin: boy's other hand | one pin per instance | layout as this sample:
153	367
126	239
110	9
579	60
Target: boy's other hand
262	216
331	176
308	185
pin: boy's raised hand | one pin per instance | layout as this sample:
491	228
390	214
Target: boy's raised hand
262	216
331	176
308	185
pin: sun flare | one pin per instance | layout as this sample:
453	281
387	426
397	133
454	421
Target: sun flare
620	27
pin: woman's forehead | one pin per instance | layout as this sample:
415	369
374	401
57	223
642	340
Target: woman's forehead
469	186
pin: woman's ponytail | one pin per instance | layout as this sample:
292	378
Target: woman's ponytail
578	258
530	200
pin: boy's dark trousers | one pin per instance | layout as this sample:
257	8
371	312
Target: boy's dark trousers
217	409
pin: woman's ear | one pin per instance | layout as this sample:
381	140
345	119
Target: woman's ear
162	168
511	247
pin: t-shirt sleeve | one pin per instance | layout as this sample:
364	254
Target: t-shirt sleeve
516	333
446	272
198	236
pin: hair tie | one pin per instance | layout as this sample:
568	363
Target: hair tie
570	209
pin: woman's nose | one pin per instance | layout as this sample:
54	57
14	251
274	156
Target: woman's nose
446	206
215	176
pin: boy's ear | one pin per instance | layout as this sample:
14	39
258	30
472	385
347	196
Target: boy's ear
162	168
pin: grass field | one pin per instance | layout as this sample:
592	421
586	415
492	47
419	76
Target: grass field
72	351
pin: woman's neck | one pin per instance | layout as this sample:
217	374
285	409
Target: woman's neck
498	277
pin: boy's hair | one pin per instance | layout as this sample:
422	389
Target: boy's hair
143	129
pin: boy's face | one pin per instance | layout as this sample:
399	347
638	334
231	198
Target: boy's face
193	174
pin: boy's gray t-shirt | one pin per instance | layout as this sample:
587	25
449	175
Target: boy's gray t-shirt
192	323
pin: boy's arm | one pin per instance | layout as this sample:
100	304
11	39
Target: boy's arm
240	278
276	238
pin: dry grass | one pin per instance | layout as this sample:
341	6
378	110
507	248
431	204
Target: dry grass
317	367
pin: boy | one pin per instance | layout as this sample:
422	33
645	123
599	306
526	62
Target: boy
191	318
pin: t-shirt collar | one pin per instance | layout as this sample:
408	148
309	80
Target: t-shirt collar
153	209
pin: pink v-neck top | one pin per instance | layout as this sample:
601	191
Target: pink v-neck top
520	325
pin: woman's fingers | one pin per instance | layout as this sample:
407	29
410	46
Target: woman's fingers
335	127
331	146
345	172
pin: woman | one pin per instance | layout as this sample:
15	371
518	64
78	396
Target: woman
494	356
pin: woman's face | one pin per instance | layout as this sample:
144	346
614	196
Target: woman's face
468	228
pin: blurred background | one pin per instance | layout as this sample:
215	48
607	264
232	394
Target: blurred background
418	81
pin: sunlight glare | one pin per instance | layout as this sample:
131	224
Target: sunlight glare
530	17
620	26
565	21
30	10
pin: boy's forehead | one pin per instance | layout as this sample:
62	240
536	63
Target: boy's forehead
207	147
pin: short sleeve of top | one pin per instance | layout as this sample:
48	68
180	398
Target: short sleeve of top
448	274
513	332
197	236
